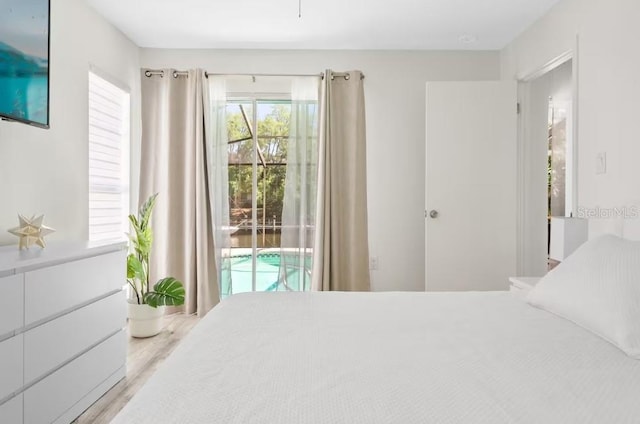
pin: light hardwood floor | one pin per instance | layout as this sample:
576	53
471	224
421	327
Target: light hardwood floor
143	358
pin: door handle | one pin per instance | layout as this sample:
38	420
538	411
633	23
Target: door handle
433	213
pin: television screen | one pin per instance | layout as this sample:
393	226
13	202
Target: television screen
24	61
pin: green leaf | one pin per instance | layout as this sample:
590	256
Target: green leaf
135	268
134	222
167	291
146	210
143	242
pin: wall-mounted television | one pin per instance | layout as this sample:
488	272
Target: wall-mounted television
24	61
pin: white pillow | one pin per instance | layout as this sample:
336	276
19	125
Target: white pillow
598	288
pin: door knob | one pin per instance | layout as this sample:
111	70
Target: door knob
433	213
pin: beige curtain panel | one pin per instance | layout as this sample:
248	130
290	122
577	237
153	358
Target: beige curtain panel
173	164
341	253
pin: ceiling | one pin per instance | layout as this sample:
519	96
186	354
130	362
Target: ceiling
325	24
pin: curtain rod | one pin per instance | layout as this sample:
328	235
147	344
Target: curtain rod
345	75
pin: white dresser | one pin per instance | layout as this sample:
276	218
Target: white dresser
62	338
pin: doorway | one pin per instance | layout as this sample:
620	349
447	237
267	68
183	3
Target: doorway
546	161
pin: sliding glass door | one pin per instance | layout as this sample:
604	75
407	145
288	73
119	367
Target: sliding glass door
258	133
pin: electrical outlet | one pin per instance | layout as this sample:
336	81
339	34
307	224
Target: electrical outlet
601	163
373	263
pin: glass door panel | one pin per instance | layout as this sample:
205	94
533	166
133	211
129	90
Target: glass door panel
258	138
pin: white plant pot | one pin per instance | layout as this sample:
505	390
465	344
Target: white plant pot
144	321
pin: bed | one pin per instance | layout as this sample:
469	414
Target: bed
388	358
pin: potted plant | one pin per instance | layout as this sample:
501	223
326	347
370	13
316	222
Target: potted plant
146	304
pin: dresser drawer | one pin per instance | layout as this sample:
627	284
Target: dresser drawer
11	303
11	411
52	290
47	400
71	334
10	366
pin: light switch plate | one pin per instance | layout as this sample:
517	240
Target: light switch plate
601	163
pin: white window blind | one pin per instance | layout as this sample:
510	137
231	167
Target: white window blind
109	111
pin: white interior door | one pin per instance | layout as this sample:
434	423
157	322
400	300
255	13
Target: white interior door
470	185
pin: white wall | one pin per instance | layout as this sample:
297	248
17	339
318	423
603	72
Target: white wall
45	171
608	90
395	103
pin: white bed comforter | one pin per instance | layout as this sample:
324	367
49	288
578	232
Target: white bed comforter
366	358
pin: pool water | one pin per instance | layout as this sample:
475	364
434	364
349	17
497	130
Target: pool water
270	273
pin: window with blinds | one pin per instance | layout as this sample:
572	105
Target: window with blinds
109	122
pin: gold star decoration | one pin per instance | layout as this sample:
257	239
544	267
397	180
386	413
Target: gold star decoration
31	231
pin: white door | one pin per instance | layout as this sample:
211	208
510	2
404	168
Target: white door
470	185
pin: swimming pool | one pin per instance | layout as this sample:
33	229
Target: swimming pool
270	272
